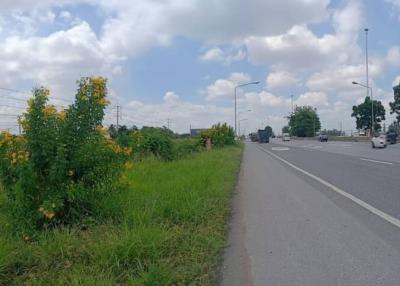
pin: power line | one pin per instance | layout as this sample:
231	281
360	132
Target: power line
10	106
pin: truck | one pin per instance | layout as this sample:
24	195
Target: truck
263	136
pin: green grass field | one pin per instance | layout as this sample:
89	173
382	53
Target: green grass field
169	230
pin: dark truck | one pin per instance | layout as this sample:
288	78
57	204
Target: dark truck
263	136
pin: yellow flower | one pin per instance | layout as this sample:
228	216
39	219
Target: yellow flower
49	215
129	165
127	151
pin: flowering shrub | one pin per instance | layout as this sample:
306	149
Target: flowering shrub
152	141
220	135
63	164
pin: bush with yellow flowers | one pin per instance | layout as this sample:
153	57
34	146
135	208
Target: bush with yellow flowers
63	165
220	135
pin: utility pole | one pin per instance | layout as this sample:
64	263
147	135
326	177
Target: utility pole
168	121
291	96
340	128
118	108
369	89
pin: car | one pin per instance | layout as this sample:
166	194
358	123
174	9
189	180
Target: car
285	137
391	137
378	141
323	138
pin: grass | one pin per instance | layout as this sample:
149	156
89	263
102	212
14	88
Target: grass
169	230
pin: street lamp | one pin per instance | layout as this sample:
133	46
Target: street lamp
236	87
372	103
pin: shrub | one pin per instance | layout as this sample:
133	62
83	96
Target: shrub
185	147
63	164
152	141
220	134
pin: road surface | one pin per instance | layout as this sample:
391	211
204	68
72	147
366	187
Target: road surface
310	213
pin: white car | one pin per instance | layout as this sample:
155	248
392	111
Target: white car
378	141
285	137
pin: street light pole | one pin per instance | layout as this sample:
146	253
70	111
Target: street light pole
366	57
367	75
235	89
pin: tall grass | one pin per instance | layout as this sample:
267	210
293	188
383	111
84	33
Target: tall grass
168	229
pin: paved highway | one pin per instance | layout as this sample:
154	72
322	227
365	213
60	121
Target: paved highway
310	213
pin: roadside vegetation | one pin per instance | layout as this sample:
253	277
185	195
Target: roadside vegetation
83	205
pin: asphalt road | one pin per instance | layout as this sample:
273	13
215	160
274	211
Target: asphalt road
290	226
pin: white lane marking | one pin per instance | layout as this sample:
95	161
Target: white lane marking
361	203
375	161
280	148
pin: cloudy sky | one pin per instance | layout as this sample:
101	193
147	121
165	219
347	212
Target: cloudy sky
180	59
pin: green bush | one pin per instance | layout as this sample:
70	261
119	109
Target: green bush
185	147
63	164
220	134
152	141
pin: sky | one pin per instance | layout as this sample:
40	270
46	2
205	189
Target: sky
177	62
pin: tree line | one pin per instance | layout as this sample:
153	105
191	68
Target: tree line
305	122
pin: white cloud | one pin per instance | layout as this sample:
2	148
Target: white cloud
265	98
281	79
215	54
56	60
396	81
171	96
300	48
218	55
396	6
224	88
339	79
393	56
314	99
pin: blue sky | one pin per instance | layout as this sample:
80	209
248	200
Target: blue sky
181	59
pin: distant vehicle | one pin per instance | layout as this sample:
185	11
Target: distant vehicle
263	136
323	138
254	137
378	141
285	137
362	133
391	137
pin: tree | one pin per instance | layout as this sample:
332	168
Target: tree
286	129
304	122
269	130
362	113
395	105
394	127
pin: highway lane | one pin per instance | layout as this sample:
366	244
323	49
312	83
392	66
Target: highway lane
289	229
370	180
357	149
